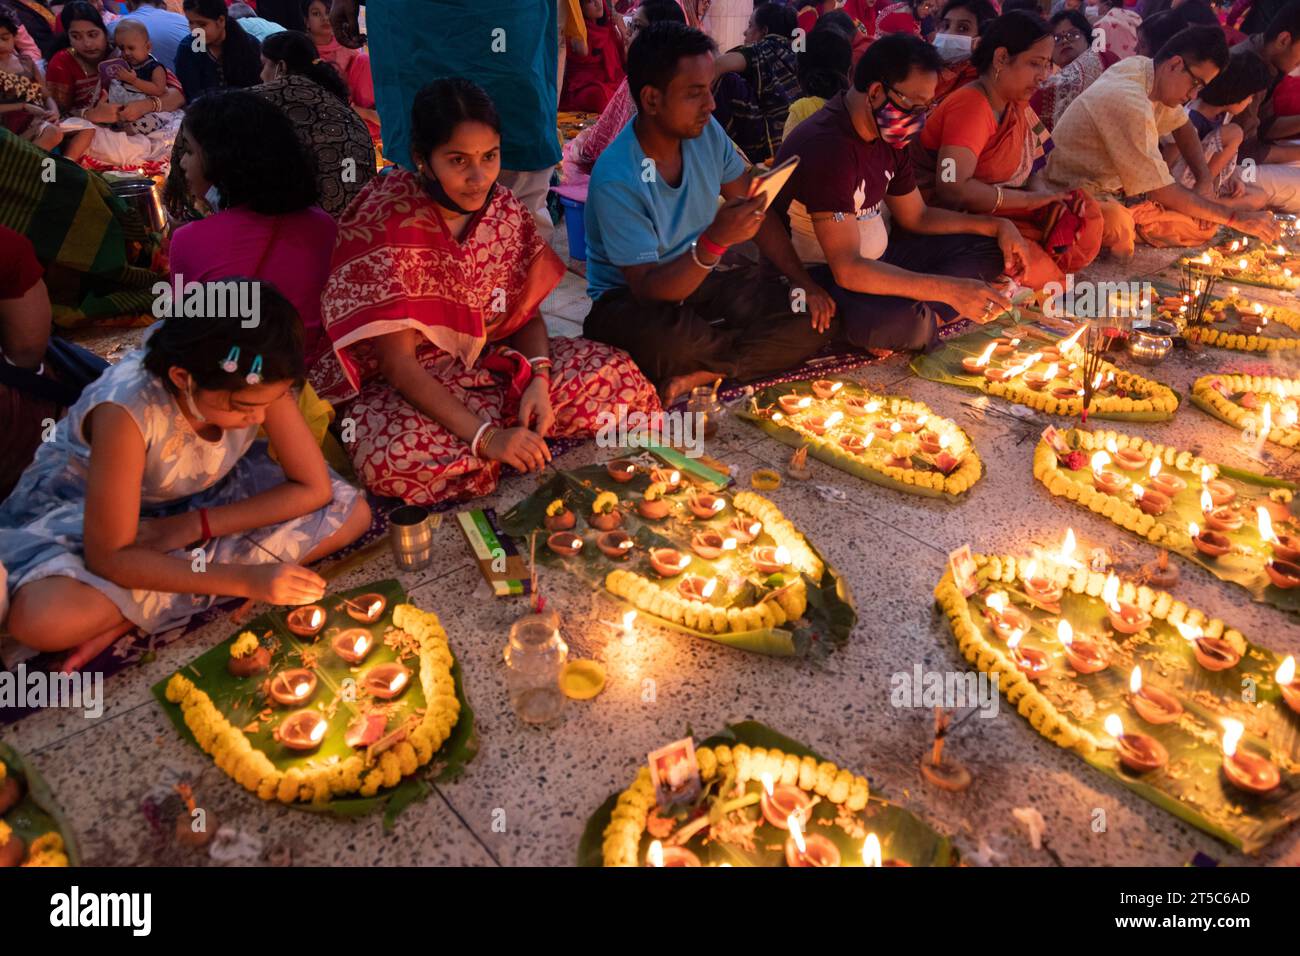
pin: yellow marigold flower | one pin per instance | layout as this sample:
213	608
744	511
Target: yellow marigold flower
244	645
605	503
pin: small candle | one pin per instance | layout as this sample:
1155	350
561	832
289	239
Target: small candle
744	530
770	560
707	544
668	562
824	389
1085	656
564	543
1006	618
1285	677
811	849
354	645
1209	542
386	681
1152	705
1137	752
615	544
1124	617
1042	590
706	506
306	621
1211	653
1246	771
292	687
1032	663
366	608
978	363
622	470
780	802
659	855
791	404
303	730
697	589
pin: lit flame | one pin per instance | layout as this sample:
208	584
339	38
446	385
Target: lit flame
895	428
374	608
1068	545
655	855
1268	421
796	832
1110	593
1115	726
707	591
1241	264
1155	467
1066	343
834	418
729	544
767	784
300	690
1135	680
1013	641
803	402
1259	309
1207	503
397	682
1265	526
1206	474
875	406
1031	569
755	528
1137	492
944	442
1111	446
1193	528
1281	251
1065	633
1050	372
674	477
922	419
315	618
1285	671
997	601
1232	731
360	644
836	387
718	505
782	556
871	851
1190	632
1099	461
1236	244
777	416
871	436
979	362
1290	413
629	617
318	732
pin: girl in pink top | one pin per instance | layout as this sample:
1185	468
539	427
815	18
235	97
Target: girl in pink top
262	189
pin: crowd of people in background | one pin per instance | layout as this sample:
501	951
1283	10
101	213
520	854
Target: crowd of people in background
386	194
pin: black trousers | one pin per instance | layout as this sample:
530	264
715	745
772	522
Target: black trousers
737	323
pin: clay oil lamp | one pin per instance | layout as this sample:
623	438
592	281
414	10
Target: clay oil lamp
1167	483
615	544
1067	394
1286	683
1130	459
653	505
997	374
770	560
248	656
932	442
1124	617
1210	543
659	855
564	543
1050	353
386	681
1003	346
1151	703
824	389
707	506
621	470
912	421
1004	616
872	856
708	544
292	688
670	478
1283	574
975	364
1246	771
1085	656
354	645
900	453
1030	661
1212	653
793	404
781	801
811	849
1042	590
366	608
854	406
559	517
668	562
744	530
885	431
1037	381
1286	547
1152	502
605	515
306	621
820	424
1221	518
1221	492
855	444
694	588
1110	482
303	730
1138	753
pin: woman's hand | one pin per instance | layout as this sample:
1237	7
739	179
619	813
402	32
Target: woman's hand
168	534
129	112
535	412
1015	251
282	583
519	448
103	111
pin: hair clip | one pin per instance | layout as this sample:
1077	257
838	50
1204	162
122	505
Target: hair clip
231	362
254	371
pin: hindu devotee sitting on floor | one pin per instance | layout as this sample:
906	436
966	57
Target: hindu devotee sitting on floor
432	307
854	163
981	149
1108	142
656	234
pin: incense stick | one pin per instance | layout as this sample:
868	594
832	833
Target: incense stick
350	603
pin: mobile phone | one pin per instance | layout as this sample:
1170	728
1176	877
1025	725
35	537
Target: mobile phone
769	184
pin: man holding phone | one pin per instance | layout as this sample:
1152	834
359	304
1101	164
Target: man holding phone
894	286
655	234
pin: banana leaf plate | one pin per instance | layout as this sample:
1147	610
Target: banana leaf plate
37	813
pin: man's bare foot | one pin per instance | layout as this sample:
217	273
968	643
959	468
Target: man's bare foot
681	385
83	654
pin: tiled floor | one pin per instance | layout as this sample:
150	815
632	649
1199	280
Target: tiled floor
527	795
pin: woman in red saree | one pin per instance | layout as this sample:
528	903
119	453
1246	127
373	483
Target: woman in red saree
432	302
593	71
987	141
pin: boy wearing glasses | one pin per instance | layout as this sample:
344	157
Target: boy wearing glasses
1108	142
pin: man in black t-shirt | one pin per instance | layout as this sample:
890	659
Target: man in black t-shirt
893	287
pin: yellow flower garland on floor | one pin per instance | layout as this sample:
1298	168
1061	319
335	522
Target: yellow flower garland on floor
252	769
956	482
1225	408
993	659
628	819
786	604
47	850
1208	335
1126	514
1161	400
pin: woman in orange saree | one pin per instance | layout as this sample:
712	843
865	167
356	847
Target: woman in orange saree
980	148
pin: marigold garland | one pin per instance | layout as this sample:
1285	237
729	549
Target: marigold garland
627	821
1208	391
1208	335
1161	398
786	604
233	753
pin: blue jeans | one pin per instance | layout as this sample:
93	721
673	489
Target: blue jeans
893	322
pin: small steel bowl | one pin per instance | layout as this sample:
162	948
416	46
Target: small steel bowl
1151	341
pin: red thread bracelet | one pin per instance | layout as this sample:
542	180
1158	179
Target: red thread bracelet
203	522
709	246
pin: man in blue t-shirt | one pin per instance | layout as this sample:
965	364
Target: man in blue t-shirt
166	29
655	234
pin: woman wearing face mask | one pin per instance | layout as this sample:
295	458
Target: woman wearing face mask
160	457
960	25
1117	24
261	186
432	308
1078	65
987	135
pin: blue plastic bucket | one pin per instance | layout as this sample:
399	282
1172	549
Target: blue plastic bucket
575	227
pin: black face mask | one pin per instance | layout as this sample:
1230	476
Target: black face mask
433	187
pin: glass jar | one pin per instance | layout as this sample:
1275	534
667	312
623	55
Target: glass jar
535	656
704	402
